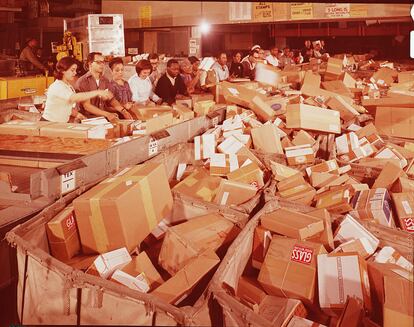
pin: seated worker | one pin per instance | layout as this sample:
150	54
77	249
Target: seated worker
286	59
195	86
249	64
318	52
307	51
273	57
61	96
220	67
141	85
28	60
170	86
94	80
156	71
236	68
191	79
118	86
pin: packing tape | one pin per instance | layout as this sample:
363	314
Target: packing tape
97	221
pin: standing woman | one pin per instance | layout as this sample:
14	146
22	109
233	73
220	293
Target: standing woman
61	96
118	86
141	85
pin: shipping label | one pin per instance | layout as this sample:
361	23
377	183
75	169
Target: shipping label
67	182
302	254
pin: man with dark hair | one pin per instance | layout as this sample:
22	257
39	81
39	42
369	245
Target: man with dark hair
156	71
273	57
171	86
220	67
249	64
28	59
286	58
94	80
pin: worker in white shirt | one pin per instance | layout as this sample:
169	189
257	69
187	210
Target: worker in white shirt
272	58
141	85
220	67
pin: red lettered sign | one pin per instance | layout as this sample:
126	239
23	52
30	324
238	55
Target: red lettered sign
70	222
302	254
409	224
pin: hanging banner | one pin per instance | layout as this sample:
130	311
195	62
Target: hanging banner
263	11
301	10
337	10
359	10
240	11
145	16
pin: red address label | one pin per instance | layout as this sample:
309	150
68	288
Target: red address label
302	254
409	224
70	222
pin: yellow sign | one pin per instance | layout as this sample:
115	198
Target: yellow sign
263	11
301	10
145	16
359	10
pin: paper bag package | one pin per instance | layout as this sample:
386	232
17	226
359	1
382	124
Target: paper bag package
341	275
180	285
404	206
142	264
199	185
374	204
107	220
188	240
289	268
62	234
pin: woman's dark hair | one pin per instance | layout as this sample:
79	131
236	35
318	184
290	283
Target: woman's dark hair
236	52
63	65
143	64
115	61
193	59
91	57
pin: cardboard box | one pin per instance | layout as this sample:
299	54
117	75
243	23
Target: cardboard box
267	139
346	111
390	153
73	131
137	283
245	152
199	185
361	246
178	287
234	193
341	275
300	155
384	76
292	224
395	121
201	97
249	174
350	229
249	290
302	194
302	116
279	311
142	264
189	239
303	322
281	172
106	263
392	295
291	182
326	236
62	234
337	87
204	146
158	123
336	201
202	108
261	241
333	69
388	176
352	315
374	204
230	145
404	207
184	112
389	255
303	138
20	127
289	269
221	164
105	217
324	167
